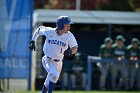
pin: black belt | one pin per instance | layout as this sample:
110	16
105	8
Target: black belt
56	60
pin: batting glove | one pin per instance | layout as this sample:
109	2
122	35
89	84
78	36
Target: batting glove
32	46
68	53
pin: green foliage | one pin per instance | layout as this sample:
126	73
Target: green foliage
116	5
121	5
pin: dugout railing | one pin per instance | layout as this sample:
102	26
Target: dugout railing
95	59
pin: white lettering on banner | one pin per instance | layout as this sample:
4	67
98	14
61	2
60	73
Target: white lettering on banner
7	63
20	63
14	65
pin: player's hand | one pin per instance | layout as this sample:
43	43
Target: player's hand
32	45
68	53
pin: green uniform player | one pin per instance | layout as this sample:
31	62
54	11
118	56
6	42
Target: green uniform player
79	72
133	54
105	52
119	54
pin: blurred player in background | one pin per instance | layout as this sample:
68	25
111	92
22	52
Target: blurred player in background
105	52
57	41
133	56
79	72
119	54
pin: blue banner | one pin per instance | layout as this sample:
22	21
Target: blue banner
14	67
16	29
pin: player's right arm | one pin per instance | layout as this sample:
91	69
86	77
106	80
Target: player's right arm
39	31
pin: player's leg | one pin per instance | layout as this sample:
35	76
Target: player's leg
45	86
53	69
121	80
44	89
114	71
65	80
51	86
132	72
54	73
48	85
103	71
84	80
73	80
126	85
138	78
124	77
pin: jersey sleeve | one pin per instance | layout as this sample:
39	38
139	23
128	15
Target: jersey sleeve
42	30
72	41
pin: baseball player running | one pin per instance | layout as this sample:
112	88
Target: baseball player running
57	41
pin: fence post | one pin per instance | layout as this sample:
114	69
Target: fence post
30	53
109	30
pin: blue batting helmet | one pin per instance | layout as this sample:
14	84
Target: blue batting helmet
63	20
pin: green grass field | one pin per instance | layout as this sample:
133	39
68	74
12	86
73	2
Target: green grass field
79	92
